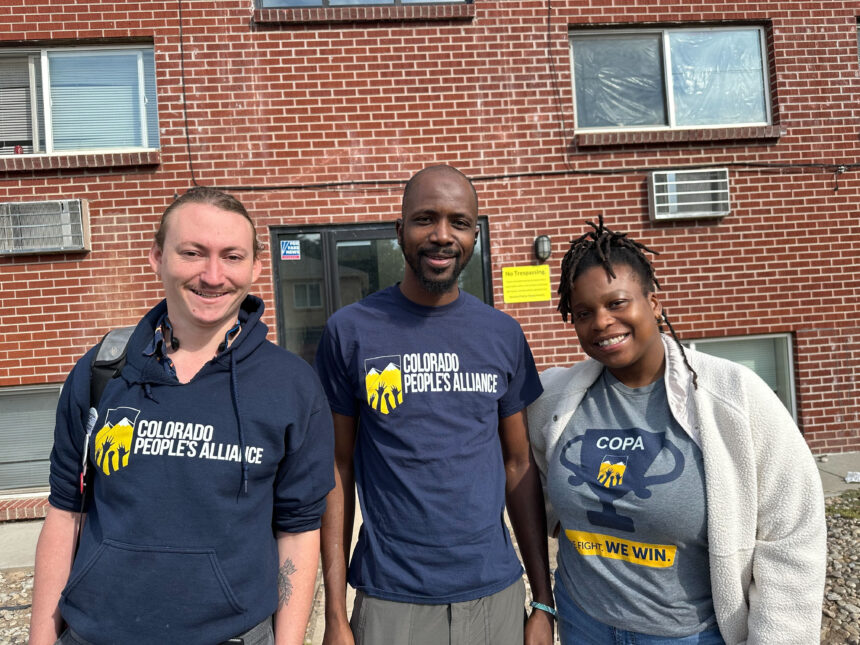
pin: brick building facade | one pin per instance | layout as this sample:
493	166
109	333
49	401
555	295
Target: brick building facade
315	116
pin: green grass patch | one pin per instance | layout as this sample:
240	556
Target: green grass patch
846	505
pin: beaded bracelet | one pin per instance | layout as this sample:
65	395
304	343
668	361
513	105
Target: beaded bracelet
539	605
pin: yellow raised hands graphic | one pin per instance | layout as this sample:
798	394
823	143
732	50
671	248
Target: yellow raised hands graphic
113	441
610	474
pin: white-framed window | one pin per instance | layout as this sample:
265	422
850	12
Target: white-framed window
768	355
27	416
651	79
265	4
62	100
307	295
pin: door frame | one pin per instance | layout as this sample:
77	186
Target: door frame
331	234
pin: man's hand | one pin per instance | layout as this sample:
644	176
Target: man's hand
298	554
337	529
526	510
55	553
539	628
337	632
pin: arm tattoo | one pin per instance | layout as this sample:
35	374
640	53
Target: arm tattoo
285	585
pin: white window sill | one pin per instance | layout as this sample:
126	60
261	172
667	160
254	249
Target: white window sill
628	137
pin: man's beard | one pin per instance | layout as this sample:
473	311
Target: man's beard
436	287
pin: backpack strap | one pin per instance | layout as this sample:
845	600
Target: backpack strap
108	361
107	365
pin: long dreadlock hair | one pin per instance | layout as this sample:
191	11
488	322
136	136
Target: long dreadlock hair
604	247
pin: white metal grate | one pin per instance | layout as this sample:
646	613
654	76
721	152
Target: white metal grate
689	194
43	227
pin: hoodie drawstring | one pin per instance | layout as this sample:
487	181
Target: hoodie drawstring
234	390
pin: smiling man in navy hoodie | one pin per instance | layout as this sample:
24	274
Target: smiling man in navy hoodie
211	455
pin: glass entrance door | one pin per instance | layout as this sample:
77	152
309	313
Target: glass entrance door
319	269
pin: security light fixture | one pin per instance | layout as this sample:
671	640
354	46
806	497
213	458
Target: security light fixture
543	247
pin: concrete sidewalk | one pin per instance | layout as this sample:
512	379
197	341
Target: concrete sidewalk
18	543
833	469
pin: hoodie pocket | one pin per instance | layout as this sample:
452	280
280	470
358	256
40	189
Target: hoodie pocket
154	587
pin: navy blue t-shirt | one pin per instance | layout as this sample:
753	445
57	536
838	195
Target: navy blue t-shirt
428	385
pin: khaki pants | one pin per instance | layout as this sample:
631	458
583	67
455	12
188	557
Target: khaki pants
493	620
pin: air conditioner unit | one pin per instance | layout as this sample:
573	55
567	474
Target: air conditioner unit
43	227
688	194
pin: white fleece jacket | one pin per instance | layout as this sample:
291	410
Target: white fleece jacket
766	529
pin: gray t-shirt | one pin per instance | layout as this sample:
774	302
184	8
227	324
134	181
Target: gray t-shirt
628	485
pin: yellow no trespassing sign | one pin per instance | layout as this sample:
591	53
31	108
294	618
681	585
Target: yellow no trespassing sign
526	284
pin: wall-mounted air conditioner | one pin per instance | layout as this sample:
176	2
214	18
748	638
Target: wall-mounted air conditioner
44	227
688	194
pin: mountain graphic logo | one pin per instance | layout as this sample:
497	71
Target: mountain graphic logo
383	382
612	469
113	441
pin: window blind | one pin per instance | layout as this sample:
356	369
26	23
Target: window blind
15	106
82	87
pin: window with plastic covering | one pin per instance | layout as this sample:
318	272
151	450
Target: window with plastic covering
670	78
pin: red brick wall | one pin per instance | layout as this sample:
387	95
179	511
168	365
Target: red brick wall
24	508
375	94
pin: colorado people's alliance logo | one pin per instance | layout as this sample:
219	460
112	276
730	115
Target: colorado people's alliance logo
113	441
383	381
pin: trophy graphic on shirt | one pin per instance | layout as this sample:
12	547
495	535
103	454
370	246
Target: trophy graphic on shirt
615	462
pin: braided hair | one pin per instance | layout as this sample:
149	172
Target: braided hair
605	247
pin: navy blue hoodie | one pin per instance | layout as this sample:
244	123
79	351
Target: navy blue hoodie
190	482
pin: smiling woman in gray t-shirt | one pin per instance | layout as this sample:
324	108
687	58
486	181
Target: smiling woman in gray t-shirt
687	505
631	501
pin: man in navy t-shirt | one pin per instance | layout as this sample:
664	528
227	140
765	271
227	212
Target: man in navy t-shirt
428	388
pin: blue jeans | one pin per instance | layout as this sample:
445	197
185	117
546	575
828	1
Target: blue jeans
575	627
